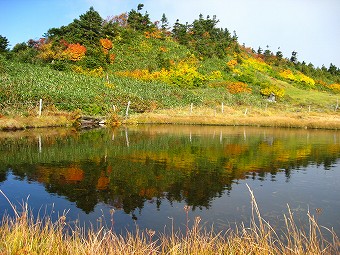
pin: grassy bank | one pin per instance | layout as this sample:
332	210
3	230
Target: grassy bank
243	116
24	234
9	123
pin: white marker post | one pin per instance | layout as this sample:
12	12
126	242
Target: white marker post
40	107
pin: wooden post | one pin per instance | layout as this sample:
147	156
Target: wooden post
40	107
308	108
222	108
245	112
127	109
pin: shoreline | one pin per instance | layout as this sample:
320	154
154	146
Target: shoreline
309	120
209	117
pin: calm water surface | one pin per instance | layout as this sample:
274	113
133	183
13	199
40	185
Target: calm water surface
147	174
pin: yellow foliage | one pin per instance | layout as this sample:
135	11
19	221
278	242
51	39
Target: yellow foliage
109	85
299	77
278	92
45	52
145	46
215	75
287	74
97	72
183	74
257	64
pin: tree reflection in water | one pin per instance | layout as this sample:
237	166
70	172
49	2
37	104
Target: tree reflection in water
129	166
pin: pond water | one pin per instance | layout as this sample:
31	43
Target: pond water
149	173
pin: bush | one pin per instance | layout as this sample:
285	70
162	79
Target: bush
238	87
272	89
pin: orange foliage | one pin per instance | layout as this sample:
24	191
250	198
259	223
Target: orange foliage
76	51
232	63
106	44
112	58
335	87
238	87
155	33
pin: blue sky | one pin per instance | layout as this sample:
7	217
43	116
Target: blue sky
309	27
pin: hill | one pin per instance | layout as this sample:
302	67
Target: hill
97	66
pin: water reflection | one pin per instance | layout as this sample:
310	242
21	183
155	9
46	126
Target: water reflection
133	168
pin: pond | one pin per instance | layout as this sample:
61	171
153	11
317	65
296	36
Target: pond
147	175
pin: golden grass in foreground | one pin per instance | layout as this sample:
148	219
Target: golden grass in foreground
25	235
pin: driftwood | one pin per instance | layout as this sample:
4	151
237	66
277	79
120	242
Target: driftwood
90	122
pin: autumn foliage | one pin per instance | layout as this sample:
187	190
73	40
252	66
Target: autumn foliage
106	44
238	87
75	51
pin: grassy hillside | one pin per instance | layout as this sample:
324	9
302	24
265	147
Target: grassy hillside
155	69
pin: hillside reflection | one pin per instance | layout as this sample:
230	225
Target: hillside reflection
126	167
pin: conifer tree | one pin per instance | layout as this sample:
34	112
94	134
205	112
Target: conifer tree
138	21
164	22
293	58
3	44
279	55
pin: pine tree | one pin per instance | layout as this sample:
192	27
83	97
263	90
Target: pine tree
333	69
293	58
164	23
138	21
3	44
279	55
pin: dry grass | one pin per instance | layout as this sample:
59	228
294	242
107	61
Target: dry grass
60	119
25	235
241	117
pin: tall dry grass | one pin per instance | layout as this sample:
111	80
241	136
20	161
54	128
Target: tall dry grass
241	117
24	234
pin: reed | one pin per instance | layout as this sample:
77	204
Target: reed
24	234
